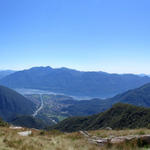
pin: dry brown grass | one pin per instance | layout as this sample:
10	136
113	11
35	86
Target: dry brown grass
116	133
41	140
55	140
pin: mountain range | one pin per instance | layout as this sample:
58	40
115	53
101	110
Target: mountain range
18	109
4	73
139	97
73	82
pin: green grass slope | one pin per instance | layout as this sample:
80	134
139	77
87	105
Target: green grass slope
120	116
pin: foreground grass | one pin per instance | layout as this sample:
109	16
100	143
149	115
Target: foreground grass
55	140
41	140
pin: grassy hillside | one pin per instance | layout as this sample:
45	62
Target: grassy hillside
54	140
12	104
120	116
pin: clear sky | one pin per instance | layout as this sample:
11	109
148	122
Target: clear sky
106	35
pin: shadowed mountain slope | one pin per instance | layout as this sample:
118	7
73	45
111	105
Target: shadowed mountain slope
12	104
28	121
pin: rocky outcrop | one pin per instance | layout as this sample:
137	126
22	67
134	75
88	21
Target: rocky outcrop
115	140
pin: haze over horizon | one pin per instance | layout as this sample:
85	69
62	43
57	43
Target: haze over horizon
142	74
98	35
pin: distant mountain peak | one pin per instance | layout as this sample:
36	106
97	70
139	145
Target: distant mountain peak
4	73
74	82
40	67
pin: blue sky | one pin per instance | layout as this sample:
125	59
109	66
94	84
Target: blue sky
107	35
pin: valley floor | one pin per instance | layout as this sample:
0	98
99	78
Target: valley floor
55	140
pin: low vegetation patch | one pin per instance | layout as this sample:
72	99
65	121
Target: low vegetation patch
3	124
56	140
